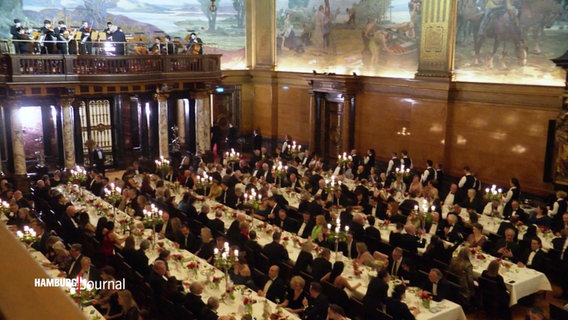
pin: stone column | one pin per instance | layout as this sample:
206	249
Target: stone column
438	39
68	133
181	122
163	141
202	121
18	152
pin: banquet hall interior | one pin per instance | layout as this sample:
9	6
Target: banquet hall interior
410	136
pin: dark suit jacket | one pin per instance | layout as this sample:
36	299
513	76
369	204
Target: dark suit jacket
257	142
194	303
216	225
307	230
407	205
444	290
287	224
398	310
373	233
71	234
276	291
558	244
190	244
410	242
320	267
208	314
41	244
538	262
304	263
317	308
72	273
276	253
401	273
376	295
157	283
514	247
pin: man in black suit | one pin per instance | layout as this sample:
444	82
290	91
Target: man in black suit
276	252
139	260
409	240
316	207
256	140
516	210
394	236
88	271
400	266
193	301
317	304
321	265
252	243
187	240
559	225
356	227
41	234
202	216
227	197
274	289
74	266
306	159
99	159
509	224
217	225
535	258
376	294
272	209
371	231
210	310
234	231
71	231
284	222
157	279
437	285
561	245
452	229
304	229
293	184
407	205
507	247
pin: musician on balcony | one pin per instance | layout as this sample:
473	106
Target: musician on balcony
62	35
195	45
86	45
47	34
14	32
117	36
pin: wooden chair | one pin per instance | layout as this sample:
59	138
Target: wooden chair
383	315
493	300
356	309
258	277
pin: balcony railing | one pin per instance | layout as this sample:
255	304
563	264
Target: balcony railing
61	68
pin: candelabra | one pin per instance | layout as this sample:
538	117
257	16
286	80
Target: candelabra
344	159
253	200
401	172
224	261
163	166
494	193
78	174
4	208
204	182
337	234
424	212
28	236
295	149
332	184
113	194
152	217
280	172
232	156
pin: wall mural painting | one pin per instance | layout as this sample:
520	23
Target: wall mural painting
369	37
511	41
222	31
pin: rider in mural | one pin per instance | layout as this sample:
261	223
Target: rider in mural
495	8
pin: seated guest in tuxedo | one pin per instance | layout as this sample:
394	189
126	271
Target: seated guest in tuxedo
437	285
557	227
74	266
452	197
88	271
316	305
284	222
276	252
138	259
516	210
228	196
400	266
410	240
106	299
394	215
217	225
210	310
157	279
206	250
407	205
321	265
561	245
234	231
202	216
305	228
452	229
371	231
394	236
193	301
493	208
507	247
186	240
509	224
42	235
398	309
376	294
274	289
473	202
535	258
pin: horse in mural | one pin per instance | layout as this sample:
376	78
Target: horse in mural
502	28
468	16
537	15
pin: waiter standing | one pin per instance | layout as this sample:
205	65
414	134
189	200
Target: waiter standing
99	159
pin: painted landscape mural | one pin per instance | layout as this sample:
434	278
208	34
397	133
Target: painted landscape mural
369	37
222	31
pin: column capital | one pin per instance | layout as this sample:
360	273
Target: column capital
65	101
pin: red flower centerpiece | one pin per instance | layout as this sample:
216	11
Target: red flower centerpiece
248	302
426	297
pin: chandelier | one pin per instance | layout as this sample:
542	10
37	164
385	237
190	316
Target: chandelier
213	8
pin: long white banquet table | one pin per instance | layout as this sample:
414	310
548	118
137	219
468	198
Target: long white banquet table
179	260
89	311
